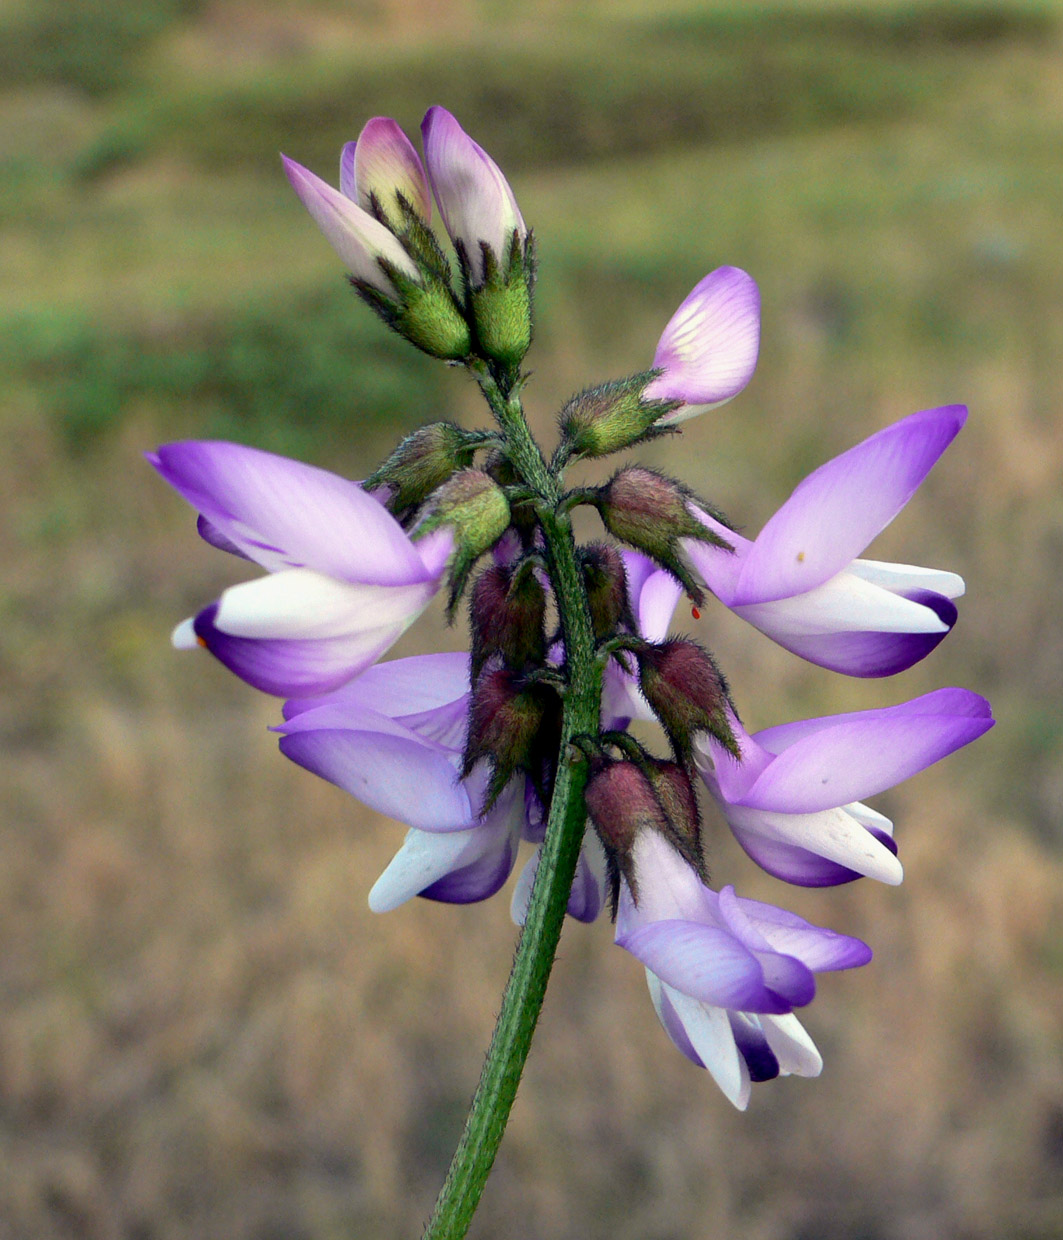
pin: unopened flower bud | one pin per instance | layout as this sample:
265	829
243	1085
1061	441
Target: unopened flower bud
652	513
612	416
382	170
421	463
477	510
507	714
687	692
606	585
506	614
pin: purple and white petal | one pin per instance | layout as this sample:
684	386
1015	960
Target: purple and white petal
656	605
708	351
833	834
475	199
855	627
283	513
411	689
837	510
794	865
298	633
858	755
669	1018
703	962
402	777
709	1032
820	949
456	867
285	666
754	1048
354	234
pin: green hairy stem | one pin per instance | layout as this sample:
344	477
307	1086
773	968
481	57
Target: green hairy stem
526	988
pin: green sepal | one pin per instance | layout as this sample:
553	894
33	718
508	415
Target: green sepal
613	416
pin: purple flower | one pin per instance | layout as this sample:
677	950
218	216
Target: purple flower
381	166
793	802
799	581
345	580
708	351
475	200
361	241
726	973
393	738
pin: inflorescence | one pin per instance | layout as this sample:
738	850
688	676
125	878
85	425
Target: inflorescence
570	644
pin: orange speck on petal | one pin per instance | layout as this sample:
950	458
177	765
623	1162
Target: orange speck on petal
800	557
695	612
201	642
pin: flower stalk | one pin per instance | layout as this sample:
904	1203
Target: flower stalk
537	945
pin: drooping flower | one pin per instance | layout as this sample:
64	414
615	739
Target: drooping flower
800	582
475	200
708	351
345	580
794	800
725	973
361	241
393	738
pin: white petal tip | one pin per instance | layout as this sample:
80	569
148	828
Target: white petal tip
184	636
891	875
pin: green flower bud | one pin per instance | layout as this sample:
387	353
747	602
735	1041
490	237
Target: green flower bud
502	304
431	319
421	463
613	416
477	509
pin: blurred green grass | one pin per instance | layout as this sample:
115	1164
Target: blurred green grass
203	1032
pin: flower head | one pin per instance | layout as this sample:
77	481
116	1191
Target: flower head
345	580
800	582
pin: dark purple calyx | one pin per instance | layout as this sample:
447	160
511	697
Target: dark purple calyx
606	585
515	724
688	694
507	611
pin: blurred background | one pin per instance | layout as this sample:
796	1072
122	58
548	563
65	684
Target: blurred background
203	1031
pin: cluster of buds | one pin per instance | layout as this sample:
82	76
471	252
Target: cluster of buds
569	644
379	221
